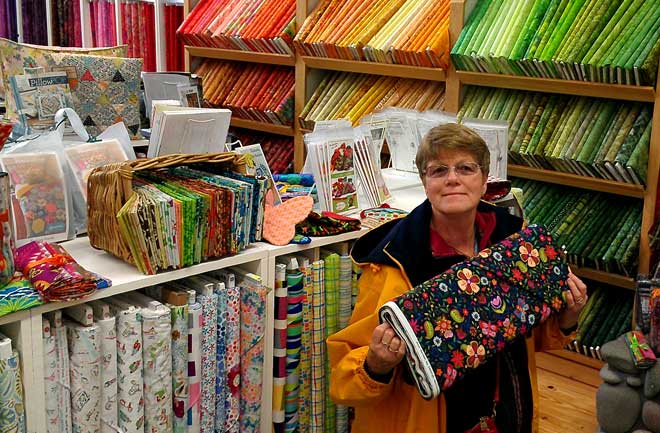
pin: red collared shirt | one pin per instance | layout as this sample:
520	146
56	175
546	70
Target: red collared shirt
485	224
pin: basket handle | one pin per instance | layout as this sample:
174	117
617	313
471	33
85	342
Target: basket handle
175	159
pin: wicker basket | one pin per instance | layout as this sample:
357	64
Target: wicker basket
110	186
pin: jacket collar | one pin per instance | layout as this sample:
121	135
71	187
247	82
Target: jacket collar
405	242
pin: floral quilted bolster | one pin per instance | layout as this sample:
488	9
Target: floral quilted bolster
459	319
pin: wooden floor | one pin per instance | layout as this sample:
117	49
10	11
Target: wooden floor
567	400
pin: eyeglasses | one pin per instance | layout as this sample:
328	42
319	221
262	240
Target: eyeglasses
461	169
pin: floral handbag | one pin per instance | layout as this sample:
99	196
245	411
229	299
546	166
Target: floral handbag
461	318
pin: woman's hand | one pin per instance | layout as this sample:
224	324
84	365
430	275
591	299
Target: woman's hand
576	299
386	350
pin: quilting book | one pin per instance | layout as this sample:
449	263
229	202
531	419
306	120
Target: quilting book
39	96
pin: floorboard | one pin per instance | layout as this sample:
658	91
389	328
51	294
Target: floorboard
566	405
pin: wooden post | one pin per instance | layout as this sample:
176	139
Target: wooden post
648	214
452	83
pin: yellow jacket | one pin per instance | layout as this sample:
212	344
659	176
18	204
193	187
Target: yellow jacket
398	407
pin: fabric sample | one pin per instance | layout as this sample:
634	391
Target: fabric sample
50	380
209	363
12	406
294	283
195	324
5	132
104	90
233	360
18	295
331	274
305	391
157	360
279	348
130	383
63	377
253	328
318	348
108	345
53	272
179	317
464	316
6	232
344	315
85	372
221	363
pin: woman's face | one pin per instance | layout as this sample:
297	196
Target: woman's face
457	190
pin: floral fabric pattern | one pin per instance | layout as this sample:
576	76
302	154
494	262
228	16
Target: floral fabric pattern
12	407
461	318
253	328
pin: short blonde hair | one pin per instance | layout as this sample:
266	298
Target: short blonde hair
452	136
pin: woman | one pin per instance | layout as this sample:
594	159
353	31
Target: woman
451	225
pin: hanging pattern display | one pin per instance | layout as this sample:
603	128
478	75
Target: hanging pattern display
138	31
174	53
67	31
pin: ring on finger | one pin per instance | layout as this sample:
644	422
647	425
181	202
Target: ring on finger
580	301
385	344
393	351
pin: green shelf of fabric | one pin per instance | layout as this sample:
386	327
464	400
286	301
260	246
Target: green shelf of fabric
587	40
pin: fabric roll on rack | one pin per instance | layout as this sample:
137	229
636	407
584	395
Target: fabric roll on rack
195	324
253	328
12	406
130	382
85	373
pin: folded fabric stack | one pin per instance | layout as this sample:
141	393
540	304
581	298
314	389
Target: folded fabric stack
461	318
411	32
343	95
248	25
586	40
278	149
593	137
608	314
600	231
18	295
55	274
257	92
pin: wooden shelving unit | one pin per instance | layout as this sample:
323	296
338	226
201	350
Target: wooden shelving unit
262	126
569	179
373	68
241	56
455	81
605	277
565	87
305	67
